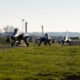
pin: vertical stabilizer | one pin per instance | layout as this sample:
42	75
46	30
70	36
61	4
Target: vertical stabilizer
26	27
67	37
42	31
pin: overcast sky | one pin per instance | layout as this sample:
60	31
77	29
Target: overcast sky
54	15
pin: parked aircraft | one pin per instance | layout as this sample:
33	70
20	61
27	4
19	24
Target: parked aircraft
15	38
67	40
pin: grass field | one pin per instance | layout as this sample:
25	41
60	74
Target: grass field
54	62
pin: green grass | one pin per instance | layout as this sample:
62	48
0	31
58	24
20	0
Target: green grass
54	62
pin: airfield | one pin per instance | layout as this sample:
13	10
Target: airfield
55	62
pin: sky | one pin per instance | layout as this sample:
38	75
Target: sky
54	15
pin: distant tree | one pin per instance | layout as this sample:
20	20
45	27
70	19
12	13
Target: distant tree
8	29
1	31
